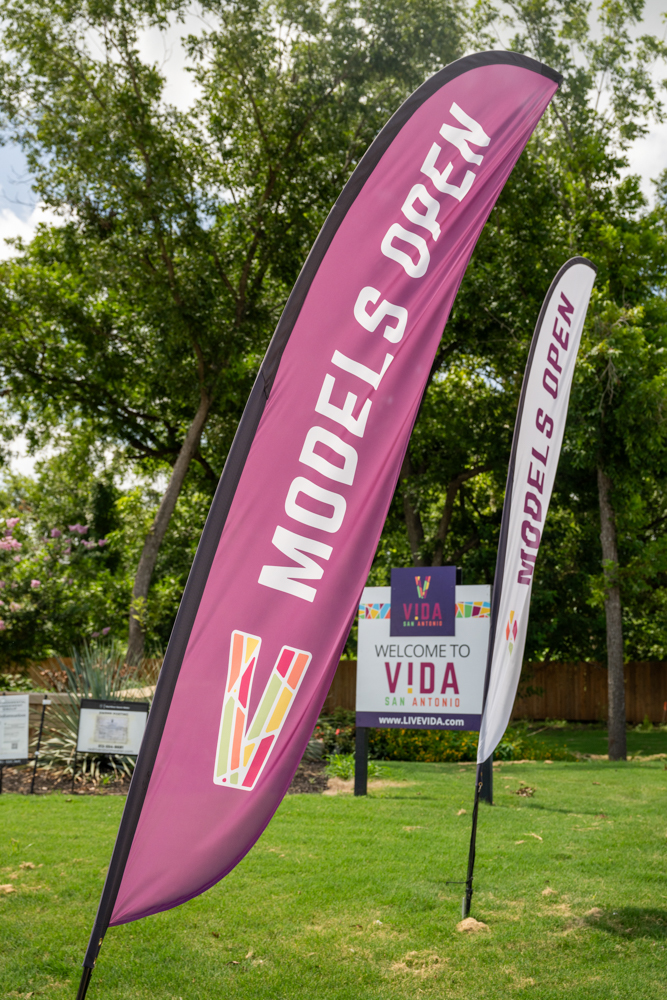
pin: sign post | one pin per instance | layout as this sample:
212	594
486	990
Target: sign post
421	656
45	702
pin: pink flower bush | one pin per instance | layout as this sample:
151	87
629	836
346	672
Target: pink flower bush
102	541
2	625
105	631
11	522
8	544
55	533
79	529
35	584
14	606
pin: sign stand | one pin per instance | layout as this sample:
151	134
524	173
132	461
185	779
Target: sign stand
361	761
45	701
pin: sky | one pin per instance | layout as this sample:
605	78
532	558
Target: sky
20	212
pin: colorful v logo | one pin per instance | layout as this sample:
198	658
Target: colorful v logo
421	591
244	746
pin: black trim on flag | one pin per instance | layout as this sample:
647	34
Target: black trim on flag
233	468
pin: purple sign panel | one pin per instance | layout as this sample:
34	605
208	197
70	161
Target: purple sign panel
423	601
416	720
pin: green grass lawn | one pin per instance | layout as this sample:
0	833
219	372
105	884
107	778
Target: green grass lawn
346	898
586	738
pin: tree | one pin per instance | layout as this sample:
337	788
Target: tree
567	195
606	101
147	311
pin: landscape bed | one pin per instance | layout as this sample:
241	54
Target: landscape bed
346	897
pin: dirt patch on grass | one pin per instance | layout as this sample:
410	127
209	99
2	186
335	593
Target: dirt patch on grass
309	778
339	786
19	779
421	964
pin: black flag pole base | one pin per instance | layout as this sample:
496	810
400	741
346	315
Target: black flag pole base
466	902
85	980
484	792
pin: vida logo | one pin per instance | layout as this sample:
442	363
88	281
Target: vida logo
511	630
245	745
422	590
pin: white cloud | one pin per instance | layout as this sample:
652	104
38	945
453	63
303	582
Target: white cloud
11	226
648	158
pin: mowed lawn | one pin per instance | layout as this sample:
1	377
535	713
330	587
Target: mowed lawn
347	898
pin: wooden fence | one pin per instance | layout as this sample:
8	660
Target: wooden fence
573	691
578	692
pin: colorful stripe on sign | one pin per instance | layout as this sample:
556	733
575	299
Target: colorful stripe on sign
244	747
368	611
473	609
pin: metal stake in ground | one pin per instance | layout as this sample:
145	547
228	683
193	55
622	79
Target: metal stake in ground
361	761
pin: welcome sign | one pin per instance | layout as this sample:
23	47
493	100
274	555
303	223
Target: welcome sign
434	682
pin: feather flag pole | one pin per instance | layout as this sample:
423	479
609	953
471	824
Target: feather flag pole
538	436
294	524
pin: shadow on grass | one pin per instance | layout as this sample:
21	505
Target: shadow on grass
594	814
632	922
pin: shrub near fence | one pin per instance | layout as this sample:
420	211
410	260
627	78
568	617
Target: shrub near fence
573	691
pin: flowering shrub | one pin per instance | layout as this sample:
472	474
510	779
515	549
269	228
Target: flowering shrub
336	732
49	587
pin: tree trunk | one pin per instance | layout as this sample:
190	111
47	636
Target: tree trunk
149	554
612	608
413	521
445	521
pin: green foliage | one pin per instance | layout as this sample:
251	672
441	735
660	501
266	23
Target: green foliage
55	581
567	195
337	736
16	682
433	746
336	732
341	765
181	233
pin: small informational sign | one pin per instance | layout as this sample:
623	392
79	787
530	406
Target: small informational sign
422	682
14	717
115	727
